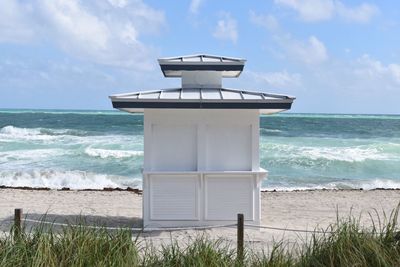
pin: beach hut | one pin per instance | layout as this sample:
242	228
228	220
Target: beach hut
201	144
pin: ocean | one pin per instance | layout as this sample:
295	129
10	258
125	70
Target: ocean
96	149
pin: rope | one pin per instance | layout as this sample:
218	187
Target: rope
288	229
134	229
180	228
148	229
74	225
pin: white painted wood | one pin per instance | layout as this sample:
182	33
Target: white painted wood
252	177
260	172
228	147
174	147
145	200
227	195
255	145
183	181
174	197
201	146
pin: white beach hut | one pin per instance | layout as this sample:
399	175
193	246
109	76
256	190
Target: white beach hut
201	144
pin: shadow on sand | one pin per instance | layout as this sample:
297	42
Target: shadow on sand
53	221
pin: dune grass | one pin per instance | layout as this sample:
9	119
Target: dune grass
345	243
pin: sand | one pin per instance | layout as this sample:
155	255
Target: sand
304	210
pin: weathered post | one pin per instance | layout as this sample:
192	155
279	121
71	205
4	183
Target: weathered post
17	222
240	237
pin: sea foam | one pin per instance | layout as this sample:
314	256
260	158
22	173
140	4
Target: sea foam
31	154
332	153
349	154
57	179
86	149
10	133
351	184
16	131
107	153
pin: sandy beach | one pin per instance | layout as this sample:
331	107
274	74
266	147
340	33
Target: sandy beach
303	210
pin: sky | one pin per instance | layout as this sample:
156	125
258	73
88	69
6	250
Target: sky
334	56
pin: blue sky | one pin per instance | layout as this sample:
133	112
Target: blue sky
334	56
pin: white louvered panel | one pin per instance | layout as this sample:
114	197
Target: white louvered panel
227	196
174	197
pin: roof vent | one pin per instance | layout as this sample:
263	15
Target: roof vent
201	71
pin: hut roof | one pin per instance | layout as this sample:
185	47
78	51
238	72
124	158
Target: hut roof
202	98
174	66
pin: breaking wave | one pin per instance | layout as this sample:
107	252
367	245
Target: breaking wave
11	132
106	153
66	112
83	150
59	179
266	130
345	154
29	154
363	184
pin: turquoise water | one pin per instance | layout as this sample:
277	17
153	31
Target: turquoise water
96	149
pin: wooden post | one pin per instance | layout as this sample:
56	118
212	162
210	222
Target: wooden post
240	237
18	222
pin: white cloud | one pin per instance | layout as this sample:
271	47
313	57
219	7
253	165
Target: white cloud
319	10
360	85
310	10
118	3
195	5
77	29
278	80
394	70
310	52
362	13
369	68
226	29
15	22
104	32
267	21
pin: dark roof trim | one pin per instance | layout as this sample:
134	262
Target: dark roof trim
194	67
200	105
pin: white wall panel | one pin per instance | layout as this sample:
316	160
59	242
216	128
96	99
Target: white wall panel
174	197
174	147
226	196
228	147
